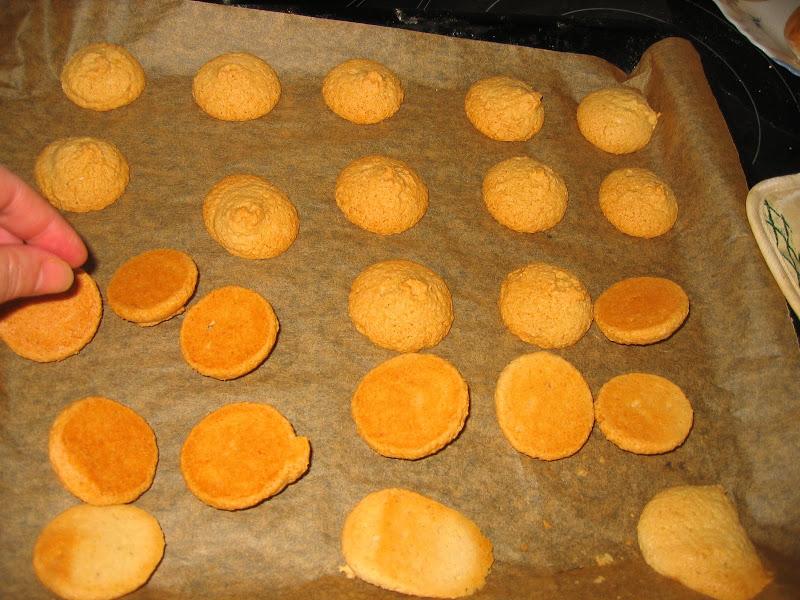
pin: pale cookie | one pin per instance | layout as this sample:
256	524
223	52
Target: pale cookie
617	119
401	305
638	202
152	286
544	406
362	91
54	327
402	541
102	77
228	332
504	109
641	310
98	552
545	305
102	451
381	194
643	413
693	534
250	217
236	87
410	406
525	195
81	174
242	454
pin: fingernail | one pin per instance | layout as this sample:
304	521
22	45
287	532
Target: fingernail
54	276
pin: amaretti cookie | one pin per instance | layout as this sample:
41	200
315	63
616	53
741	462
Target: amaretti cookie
362	91
638	202
617	119
102	77
504	109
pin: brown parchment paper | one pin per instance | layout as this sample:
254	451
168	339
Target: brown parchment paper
736	357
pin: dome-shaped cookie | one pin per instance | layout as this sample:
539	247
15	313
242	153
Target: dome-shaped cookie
362	91
401	305
638	202
504	108
617	119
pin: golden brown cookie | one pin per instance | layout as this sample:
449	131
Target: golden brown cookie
638	202
545	305
504	109
693	534
242	454
152	286
362	91
617	119
402	541
81	174
54	327
381	194
401	305
102	451
544	406
641	310
643	413
102	77
525	195
250	217
98	552
410	406
236	87
228	332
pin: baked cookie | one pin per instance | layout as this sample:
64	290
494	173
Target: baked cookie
102	451
617	119
81	174
236	87
381	194
250	217
98	552
401	305
638	202
643	413
54	327
362	91
544	406
641	310
525	195
152	286
242	454
693	534
410	406
545	305
102	77
402	541
504	109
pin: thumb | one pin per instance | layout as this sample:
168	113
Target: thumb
30	271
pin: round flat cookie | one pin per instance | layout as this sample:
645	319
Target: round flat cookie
242	454
504	109
617	119
638	202
544	406
54	327
362	91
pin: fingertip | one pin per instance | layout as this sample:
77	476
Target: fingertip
55	276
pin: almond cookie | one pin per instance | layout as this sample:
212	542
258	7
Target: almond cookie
525	195
504	109
81	174
544	406
228	332
638	202
617	119
54	327
401	305
693	534
102	77
641	310
410	406
643	413
250	217
402	541
545	305
102	451
152	286
98	552
236	87
381	194
362	91
242	454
